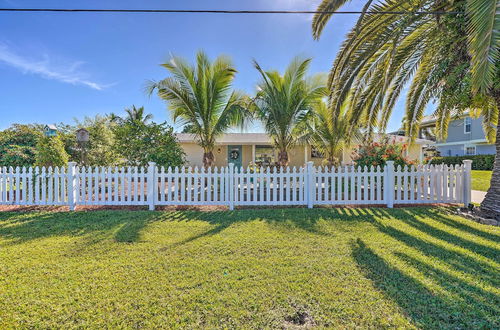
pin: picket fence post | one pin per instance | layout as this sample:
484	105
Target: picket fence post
230	186
467	182
389	184
310	191
152	185
72	185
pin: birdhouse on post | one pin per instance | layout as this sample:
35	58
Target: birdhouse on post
50	130
82	139
82	135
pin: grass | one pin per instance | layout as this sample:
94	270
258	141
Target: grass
379	268
481	180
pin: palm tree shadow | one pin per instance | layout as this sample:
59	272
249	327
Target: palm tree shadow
425	308
460	261
486	251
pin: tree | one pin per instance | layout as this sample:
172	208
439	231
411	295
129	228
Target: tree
136	115
202	96
331	134
50	152
100	148
18	145
284	103
384	53
139	143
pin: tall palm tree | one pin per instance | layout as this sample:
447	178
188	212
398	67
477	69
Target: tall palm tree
331	133
452	58
201	96
283	103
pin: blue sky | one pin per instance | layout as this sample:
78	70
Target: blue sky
55	67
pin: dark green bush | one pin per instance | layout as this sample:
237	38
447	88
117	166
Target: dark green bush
479	162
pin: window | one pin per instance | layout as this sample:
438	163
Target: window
470	151
264	155
467	124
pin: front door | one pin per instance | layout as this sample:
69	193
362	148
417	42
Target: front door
234	155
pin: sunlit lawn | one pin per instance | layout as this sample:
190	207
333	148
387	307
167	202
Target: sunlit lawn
248	268
481	180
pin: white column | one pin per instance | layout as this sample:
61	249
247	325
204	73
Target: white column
152	185
467	182
389	183
72	186
253	154
310	185
230	186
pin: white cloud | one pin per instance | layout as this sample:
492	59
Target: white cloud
66	72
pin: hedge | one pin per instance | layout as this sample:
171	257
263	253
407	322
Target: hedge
479	162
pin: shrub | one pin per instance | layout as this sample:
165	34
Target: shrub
50	152
377	154
479	162
140	143
18	145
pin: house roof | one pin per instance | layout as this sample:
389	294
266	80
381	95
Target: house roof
263	138
51	126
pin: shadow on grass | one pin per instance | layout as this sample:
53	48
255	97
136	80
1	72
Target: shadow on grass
125	226
427	309
460	261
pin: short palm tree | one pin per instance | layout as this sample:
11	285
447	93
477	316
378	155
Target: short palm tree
330	133
452	58
136	115
201	96
283	103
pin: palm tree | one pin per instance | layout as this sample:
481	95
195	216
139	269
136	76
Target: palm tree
284	102
201	96
330	133
433	55
136	115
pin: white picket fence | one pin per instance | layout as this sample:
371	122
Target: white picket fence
308	186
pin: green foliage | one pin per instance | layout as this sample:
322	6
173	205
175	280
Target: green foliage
385	53
479	162
284	103
18	145
201	96
50	152
377	154
330	132
139	143
100	149
364	268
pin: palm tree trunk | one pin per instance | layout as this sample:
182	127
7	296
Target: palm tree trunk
491	203
208	158
283	158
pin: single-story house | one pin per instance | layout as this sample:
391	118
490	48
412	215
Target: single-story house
244	149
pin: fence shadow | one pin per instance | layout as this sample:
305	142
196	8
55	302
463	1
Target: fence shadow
121	226
125	226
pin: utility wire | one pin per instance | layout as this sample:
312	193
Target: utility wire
203	11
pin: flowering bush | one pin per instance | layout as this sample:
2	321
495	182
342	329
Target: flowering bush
379	153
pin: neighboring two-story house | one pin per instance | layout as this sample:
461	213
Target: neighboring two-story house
465	137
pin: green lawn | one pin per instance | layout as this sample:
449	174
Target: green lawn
379	268
481	180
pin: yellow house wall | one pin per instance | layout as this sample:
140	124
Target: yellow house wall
194	155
